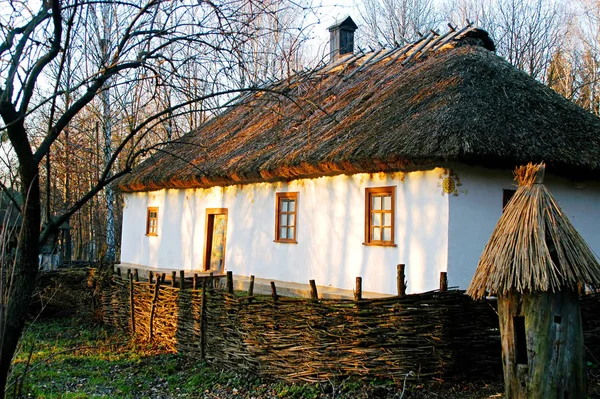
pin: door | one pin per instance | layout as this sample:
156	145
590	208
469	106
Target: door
216	233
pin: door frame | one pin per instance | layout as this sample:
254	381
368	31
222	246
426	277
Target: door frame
208	235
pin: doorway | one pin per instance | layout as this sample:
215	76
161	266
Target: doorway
214	245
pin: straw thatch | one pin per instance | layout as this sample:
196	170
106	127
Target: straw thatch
399	110
534	246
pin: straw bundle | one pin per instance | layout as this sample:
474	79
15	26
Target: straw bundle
534	246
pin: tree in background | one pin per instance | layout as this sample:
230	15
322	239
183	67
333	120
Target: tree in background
53	101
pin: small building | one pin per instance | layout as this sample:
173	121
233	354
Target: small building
534	263
399	156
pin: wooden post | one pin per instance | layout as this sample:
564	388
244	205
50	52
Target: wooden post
358	289
132	304
251	286
153	307
163	277
181	279
230	282
150	277
136	275
203	322
274	291
211	282
128	274
119	272
443	282
401	282
313	290
173	278
195	283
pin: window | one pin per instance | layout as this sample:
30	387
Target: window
286	217
379	215
152	222
506	196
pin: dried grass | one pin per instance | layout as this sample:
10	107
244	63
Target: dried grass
534	246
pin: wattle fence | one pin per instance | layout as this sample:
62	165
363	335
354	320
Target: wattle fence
434	335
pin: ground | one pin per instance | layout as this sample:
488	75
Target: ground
72	357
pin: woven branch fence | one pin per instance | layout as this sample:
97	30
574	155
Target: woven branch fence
435	335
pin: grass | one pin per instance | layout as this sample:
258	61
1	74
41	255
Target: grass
76	359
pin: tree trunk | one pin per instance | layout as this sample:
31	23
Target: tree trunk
21	287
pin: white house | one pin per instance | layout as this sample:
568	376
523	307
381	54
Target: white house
400	156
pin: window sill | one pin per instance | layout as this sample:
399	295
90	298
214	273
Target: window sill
379	244
285	242
151	235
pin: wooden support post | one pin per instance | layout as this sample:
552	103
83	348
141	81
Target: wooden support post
163	277
251	286
173	278
181	279
195	283
153	307
358	289
119	272
313	290
203	322
443	282
230	282
128	274
401	282
150	277
211	281
136	275
274	291
132	304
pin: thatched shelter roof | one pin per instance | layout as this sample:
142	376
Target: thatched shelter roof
441	100
534	247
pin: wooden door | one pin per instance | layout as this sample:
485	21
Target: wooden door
216	233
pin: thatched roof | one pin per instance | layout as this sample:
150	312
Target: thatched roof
425	105
534	246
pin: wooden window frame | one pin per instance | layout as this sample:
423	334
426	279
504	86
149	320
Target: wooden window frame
278	198
148	218
379	191
208	224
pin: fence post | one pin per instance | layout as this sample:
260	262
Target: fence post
211	282
203	322
358	289
153	307
313	290
132	304
136	275
128	274
173	278
163	277
274	291
443	282
150	277
251	286
230	282
401	282
195	283
119	272
181	279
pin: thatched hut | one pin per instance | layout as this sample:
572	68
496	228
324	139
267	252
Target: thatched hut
288	187
534	263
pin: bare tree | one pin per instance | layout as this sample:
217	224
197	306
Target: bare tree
149	38
396	21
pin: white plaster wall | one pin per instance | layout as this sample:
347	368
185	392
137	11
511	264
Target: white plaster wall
476	209
330	231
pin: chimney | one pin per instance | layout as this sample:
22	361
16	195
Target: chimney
341	38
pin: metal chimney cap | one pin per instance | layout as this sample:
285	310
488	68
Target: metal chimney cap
345	23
